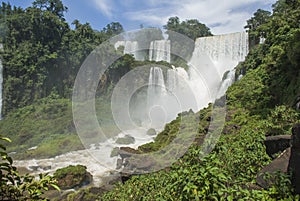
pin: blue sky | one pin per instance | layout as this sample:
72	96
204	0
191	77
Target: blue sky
219	15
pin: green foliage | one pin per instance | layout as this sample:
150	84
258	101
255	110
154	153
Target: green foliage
71	169
281	120
47	124
191	28
256	97
256	26
54	6
42	54
16	187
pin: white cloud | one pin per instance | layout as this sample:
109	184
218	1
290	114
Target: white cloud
105	6
221	16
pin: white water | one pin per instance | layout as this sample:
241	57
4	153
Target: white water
96	158
160	50
1	82
227	82
166	96
212	57
130	47
156	84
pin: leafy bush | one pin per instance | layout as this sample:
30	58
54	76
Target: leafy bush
16	187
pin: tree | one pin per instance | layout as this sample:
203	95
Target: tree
255	26
54	6
113	29
191	28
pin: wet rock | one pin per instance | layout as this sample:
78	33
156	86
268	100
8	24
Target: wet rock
119	164
125	140
151	131
127	152
34	167
125	176
48	167
115	152
110	180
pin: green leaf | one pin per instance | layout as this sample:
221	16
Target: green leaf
55	187
5	139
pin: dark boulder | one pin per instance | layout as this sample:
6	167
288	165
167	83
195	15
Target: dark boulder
276	144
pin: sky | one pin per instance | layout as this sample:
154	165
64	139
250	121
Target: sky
219	15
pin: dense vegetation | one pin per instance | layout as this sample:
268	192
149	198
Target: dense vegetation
261	103
42	54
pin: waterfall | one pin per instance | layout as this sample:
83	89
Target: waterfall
160	50
130	47
156	85
173	78
225	51
212	57
227	82
1	82
167	100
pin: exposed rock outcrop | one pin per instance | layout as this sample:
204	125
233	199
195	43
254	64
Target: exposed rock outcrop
279	143
73	177
294	162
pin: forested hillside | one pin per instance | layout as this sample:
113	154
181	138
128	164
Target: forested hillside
42	54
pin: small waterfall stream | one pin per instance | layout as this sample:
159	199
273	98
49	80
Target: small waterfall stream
160	50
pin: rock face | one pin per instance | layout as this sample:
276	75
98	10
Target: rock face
279	164
294	163
126	152
73	177
279	143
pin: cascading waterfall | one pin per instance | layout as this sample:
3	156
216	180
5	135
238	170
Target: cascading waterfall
173	78
225	51
130	47
172	98
227	82
160	50
181	91
1	82
156	84
212	57
156	94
